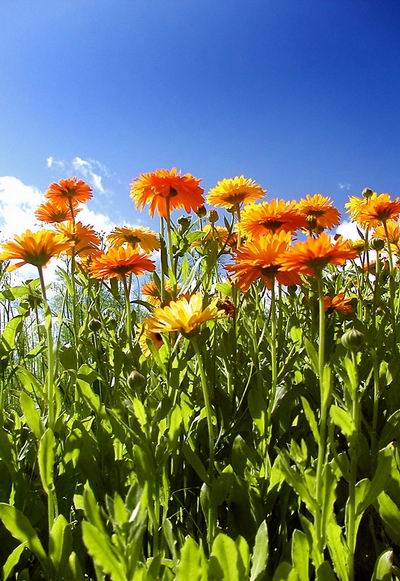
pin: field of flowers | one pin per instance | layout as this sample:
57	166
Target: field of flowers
216	401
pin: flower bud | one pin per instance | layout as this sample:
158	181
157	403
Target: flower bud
377	244
201	211
94	325
367	193
136	381
213	216
353	340
184	222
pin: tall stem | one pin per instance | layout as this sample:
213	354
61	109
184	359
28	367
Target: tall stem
172	270
274	361
163	259
391	286
351	537
320	533
50	353
128	312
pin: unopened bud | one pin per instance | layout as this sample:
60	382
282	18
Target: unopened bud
94	325
367	193
213	216
353	340
377	244
136	381
201	211
184	222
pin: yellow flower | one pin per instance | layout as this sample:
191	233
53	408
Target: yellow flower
135	236
145	335
184	316
35	248
232	191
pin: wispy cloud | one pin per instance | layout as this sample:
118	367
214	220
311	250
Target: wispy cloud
51	162
344	186
91	170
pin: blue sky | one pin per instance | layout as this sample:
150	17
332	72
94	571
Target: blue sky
301	95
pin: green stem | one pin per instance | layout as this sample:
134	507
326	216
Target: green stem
391	287
50	353
351	536
172	270
209	414
128	312
163	260
375	408
274	361
320	533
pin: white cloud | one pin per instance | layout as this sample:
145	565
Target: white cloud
87	167
349	231
52	162
344	186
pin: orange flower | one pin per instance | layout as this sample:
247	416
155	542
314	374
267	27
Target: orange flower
233	191
271	217
260	259
338	303
379	209
34	248
319	212
135	236
55	213
393	230
118	262
311	256
84	240
167	189
69	190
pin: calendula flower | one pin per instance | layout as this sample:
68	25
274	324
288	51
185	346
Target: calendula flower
218	234
354	206
319	212
55	213
69	190
311	256
135	236
186	315
152	294
165	190
84	240
118	262
378	210
146	335
271	217
259	259
35	248
339	304
231	192
393	232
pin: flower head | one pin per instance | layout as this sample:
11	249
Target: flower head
260	259
146	335
319	212
311	256
135	236
185	315
339	304
233	191
393	232
167	189
118	262
84	240
55	213
70	189
354	206
35	248
379	209
271	218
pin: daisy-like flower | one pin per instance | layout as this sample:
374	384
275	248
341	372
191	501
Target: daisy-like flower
378	210
186	315
55	213
84	240
118	262
152	293
35	248
311	256
271	217
146	335
231	192
393	231
339	304
165	190
69	190
319	212
134	236
354	206
216	233
259	259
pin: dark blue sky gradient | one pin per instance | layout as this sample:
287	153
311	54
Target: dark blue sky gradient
301	95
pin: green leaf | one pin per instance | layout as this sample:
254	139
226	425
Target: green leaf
46	456
325	573
379	480
352	376
20	528
13	560
312	354
60	544
343	420
244	556
8	338
391	429
175	421
300	555
102	552
92	509
194	461
31	415
29	381
383	567
259	559
225	564
192	564
338	550
74	570
390	514
284	572
311	419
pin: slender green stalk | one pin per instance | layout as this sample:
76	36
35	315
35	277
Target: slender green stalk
274	361
172	266
163	259
209	414
128	312
392	289
50	354
351	536
320	533
375	408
